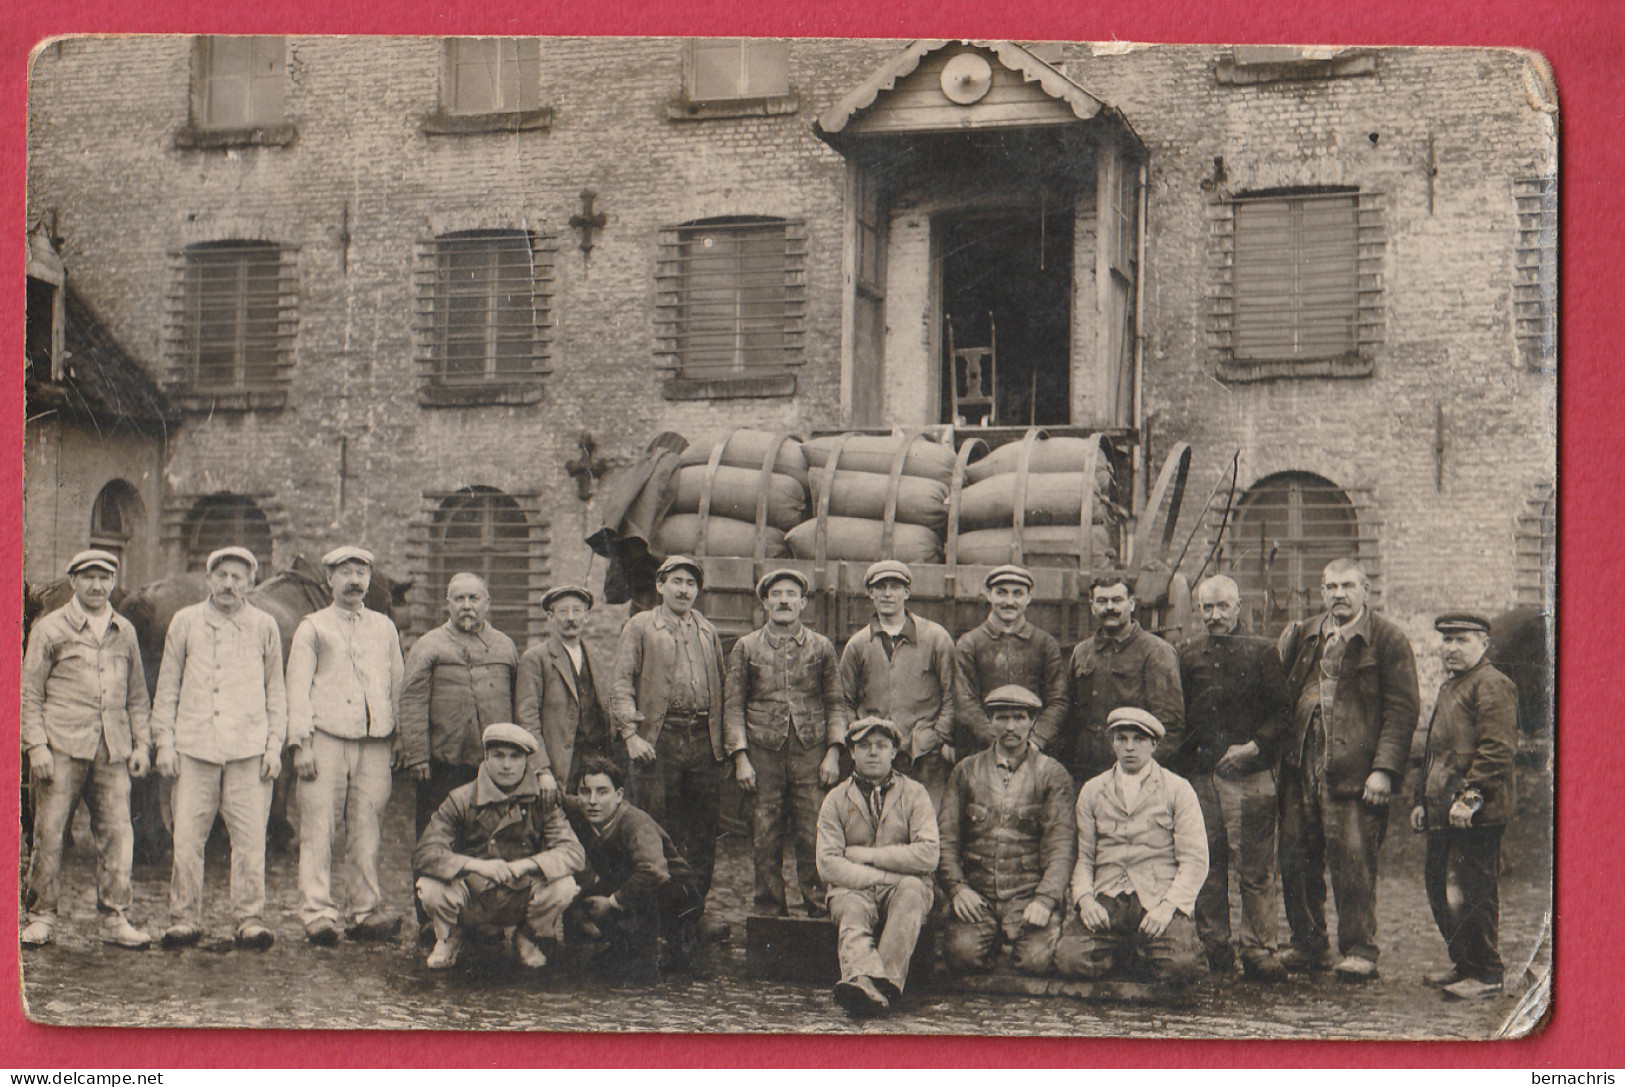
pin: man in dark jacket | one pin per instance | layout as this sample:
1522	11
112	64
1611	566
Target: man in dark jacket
1464	796
638	888
1351	678
561	693
496	853
1006	649
1008	845
1121	665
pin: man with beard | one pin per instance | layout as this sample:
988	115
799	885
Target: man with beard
1121	665
1236	713
344	689
1351	678
783	723
218	719
1006	649
563	692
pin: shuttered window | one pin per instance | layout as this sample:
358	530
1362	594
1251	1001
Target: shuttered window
720	69
1535	546
1535	283
233	316
115	519
483	307
500	537
1287	528
732	297
226	520
238	81
492	75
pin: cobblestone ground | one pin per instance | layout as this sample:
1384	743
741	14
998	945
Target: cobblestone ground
80	981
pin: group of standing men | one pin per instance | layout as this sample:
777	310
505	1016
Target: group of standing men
1084	813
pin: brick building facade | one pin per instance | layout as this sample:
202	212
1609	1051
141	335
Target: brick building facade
369	275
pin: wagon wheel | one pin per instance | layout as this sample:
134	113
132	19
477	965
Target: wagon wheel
1161	509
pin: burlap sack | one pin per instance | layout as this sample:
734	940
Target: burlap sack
746	448
1048	455
734	491
920	501
679	534
874	453
1052	499
852	539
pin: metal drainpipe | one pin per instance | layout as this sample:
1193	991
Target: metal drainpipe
1142	466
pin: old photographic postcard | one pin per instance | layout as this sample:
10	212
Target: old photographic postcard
789	536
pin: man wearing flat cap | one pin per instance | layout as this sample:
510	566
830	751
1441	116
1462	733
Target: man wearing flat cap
344	689
877	848
1464	796
219	716
1007	649
1008	843
1142	857
85	729
563	692
1121	664
901	667
496	853
666	703
783	722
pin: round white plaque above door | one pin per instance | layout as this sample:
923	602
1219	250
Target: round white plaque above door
966	78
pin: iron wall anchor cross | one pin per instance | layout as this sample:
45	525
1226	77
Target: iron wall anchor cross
588	220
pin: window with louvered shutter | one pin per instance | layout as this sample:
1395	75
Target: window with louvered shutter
233	317
732	297
483	307
492	75
1534	294
486	532
238	82
1288	527
226	520
720	69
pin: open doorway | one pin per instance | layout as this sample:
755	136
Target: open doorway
1006	280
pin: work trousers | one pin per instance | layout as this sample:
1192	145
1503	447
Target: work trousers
786	779
970	947
1240	816
1462	873
897	910
104	783
473	902
234	791
680	791
429	795
636	933
1175	956
1320	831
350	789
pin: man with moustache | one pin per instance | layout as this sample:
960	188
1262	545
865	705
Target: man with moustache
783	723
1008	842
219	716
901	667
344	689
1120	665
84	726
563	692
1351	678
1236	713
1006	649
666	701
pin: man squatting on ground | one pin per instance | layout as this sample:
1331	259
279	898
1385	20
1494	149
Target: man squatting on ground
497	854
1007	649
1351	679
1142	857
877	848
1465	793
1008	845
666	701
219	717
783	724
344	687
901	667
1236	714
85	728
638	889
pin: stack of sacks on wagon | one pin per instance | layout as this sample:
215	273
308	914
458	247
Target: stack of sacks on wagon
737	476
1051	479
865	477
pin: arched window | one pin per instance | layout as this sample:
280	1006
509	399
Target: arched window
1289	526
116	525
225	520
482	531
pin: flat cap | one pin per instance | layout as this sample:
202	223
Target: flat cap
1454	622
1011	574
1135	718
865	725
508	733
93	559
681	562
348	553
241	554
887	569
782	574
558	592
1013	694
